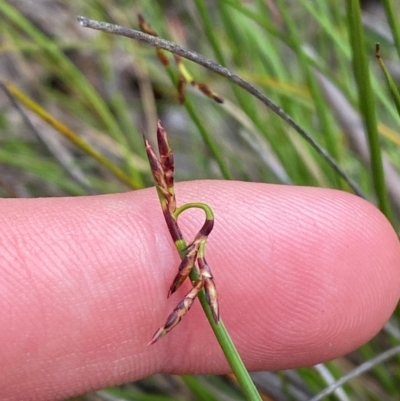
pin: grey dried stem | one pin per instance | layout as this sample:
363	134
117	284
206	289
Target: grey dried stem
218	69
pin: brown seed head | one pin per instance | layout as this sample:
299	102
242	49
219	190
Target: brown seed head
212	297
166	155
162	57
208	92
185	268
156	168
204	232
181	89
209	287
145	26
172	224
177	314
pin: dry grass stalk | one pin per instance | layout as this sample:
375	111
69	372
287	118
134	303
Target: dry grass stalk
184	75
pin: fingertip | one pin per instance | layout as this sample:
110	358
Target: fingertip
303	274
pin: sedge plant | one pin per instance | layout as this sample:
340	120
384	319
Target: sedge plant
192	254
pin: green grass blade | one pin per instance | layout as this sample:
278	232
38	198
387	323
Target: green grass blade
393	19
73	137
75	78
367	103
392	87
321	109
198	388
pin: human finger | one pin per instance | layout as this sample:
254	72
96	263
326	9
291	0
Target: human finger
303	275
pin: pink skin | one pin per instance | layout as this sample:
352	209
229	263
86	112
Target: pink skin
304	275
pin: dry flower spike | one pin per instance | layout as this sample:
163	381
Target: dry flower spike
192	255
184	75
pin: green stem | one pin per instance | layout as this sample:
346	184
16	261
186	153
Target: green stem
366	102
230	352
195	205
391	84
392	18
219	329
